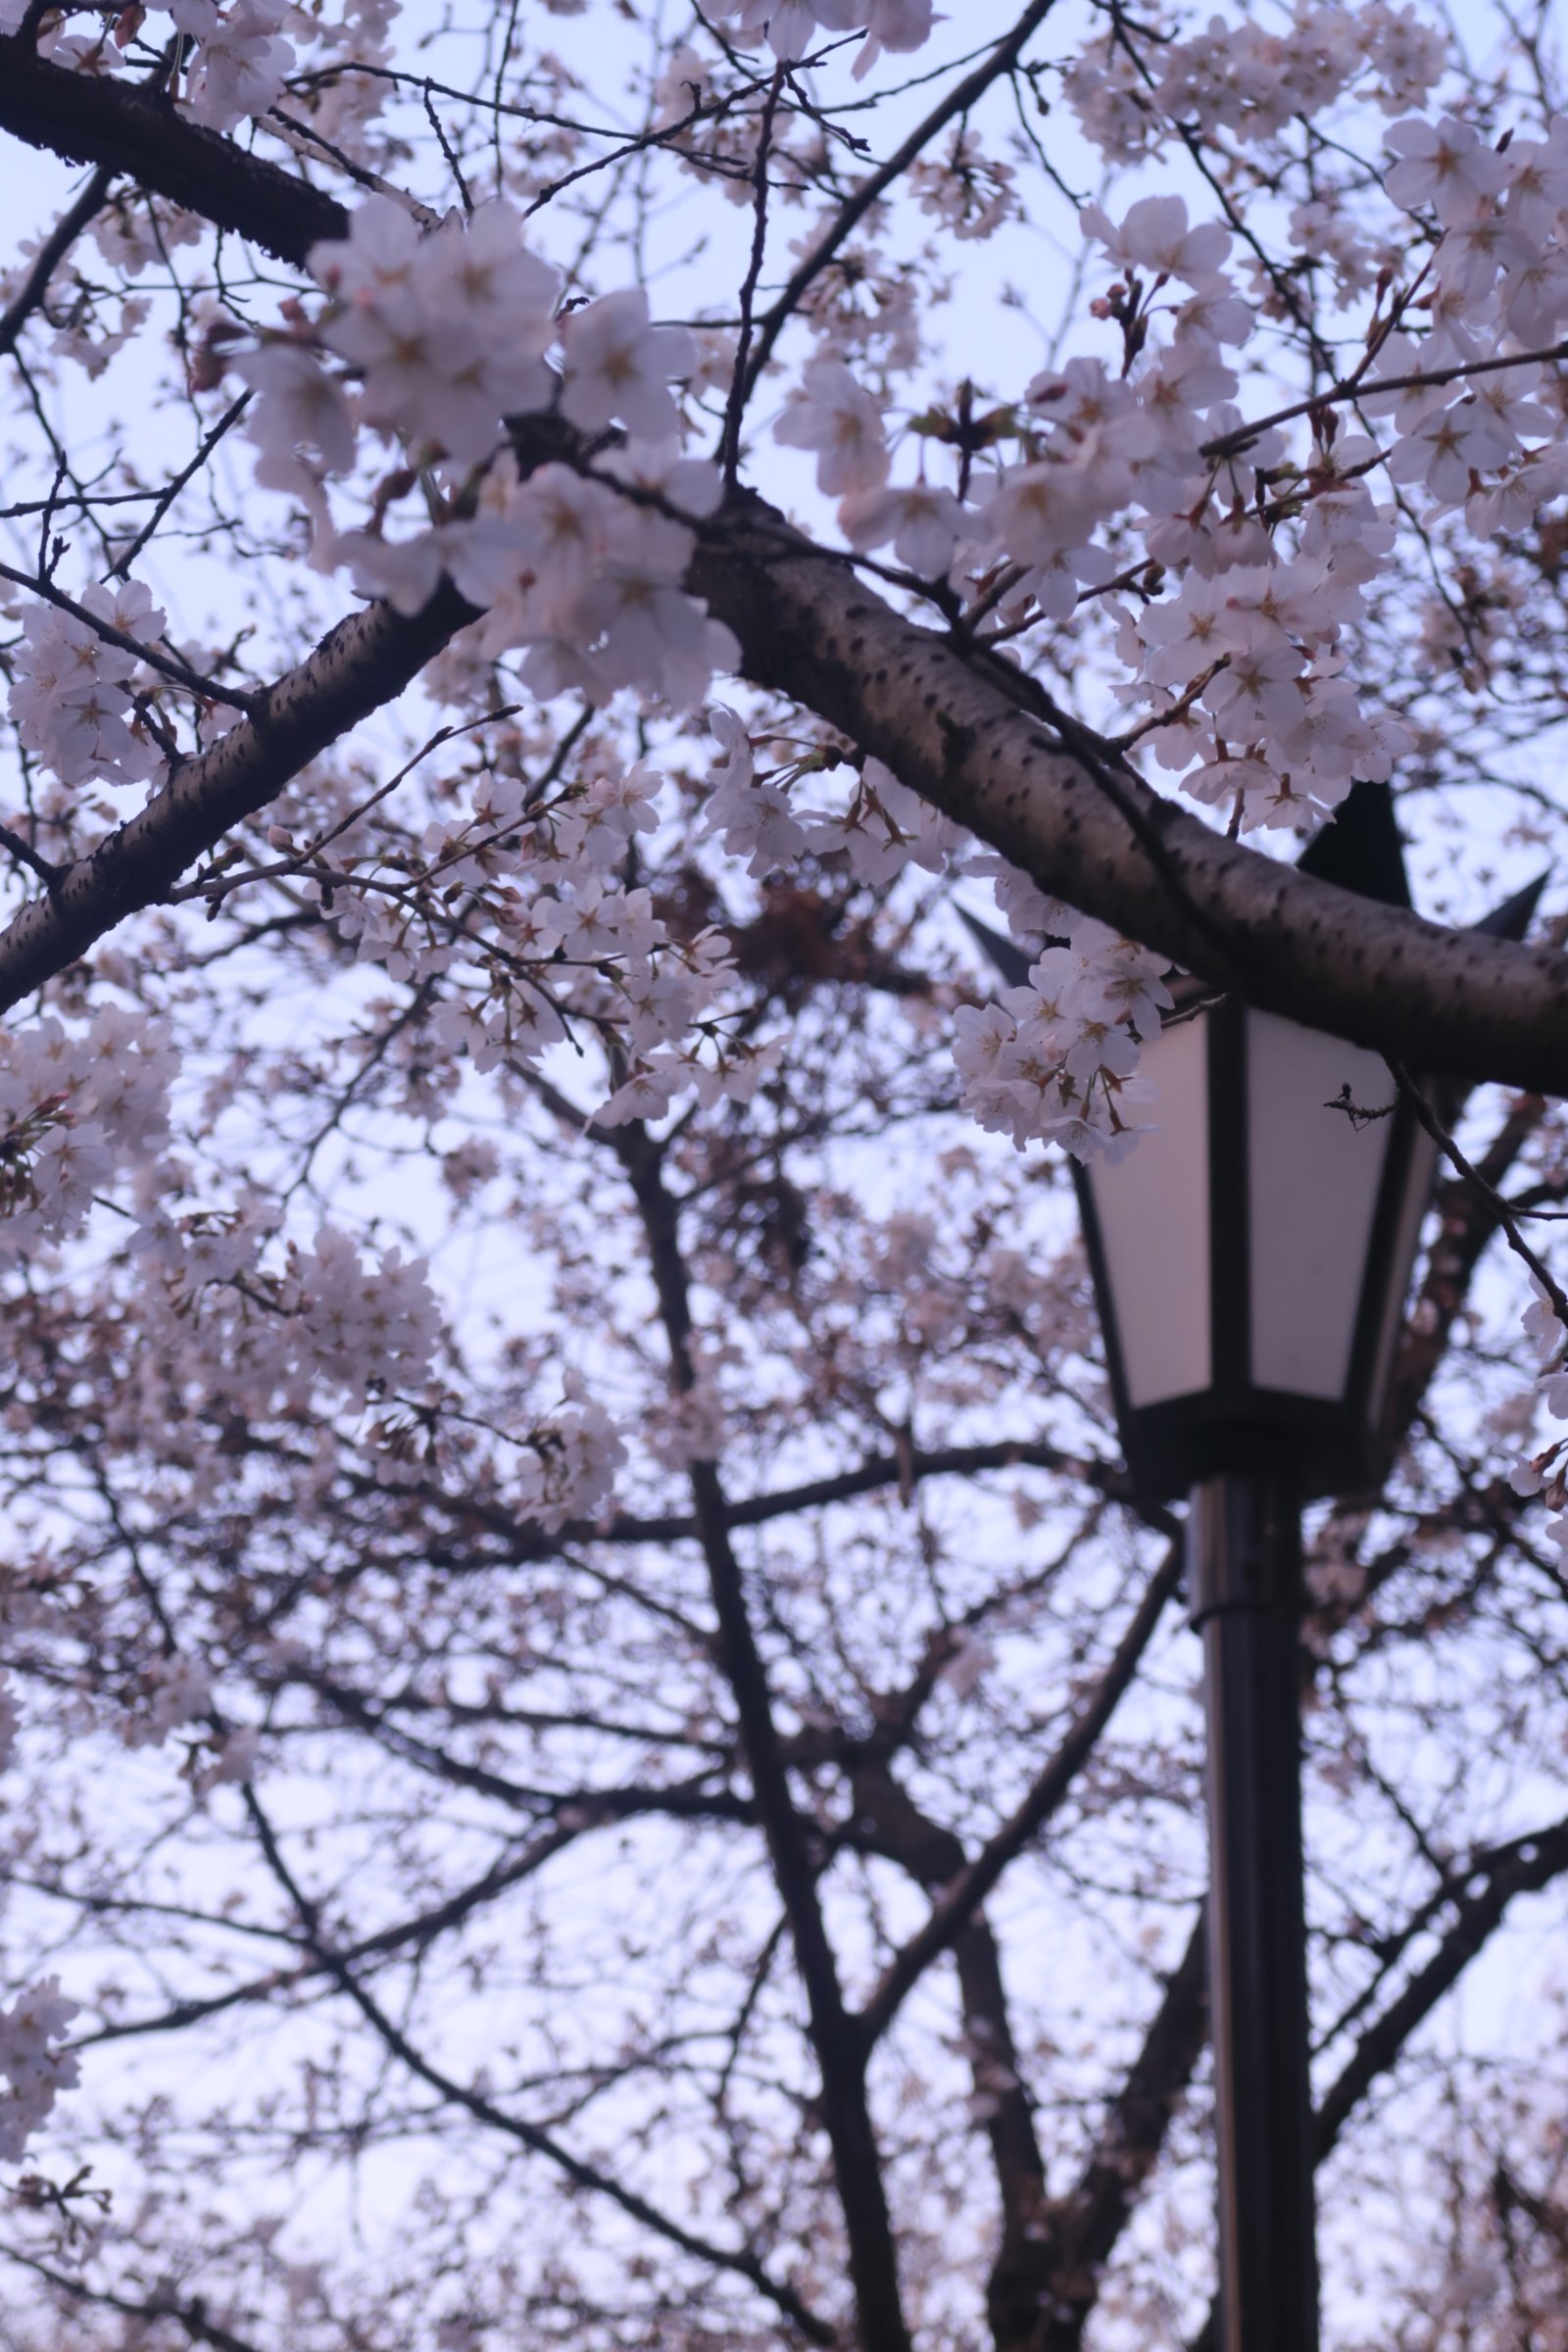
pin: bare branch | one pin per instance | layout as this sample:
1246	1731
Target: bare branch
1067	2260
837	2038
359	666
1482	1894
61	238
529	2136
961	1898
190	2314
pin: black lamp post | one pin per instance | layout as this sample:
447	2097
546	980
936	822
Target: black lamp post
1252	1256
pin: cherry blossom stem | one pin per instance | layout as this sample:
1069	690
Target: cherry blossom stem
959	100
1358	387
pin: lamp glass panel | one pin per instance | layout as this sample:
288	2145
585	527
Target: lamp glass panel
1313	1177
1413	1206
1152	1213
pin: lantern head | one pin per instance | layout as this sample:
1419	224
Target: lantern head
1252	1253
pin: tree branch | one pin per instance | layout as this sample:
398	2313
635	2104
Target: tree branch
56	245
1467	1221
1063	2280
358	667
529	2136
840	2046
1044	792
130	129
888	1822
954	104
192	2316
1524	1866
1059	805
962	1897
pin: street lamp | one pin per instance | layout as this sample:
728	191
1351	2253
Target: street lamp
1252	1256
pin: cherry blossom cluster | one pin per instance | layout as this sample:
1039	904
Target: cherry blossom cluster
177	1690
691	1426
1255	559
174	1693
35	2071
571	1462
1240	669
1262	554
1058	1058
971	192
231	1321
85	1113
1055	1061
1546	1473
587	576
440	337
1482	281
519	908
1265	552
89	321
343	106
80	1111
76	697
1251	79
793	28
881	829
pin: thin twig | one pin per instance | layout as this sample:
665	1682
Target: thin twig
1488	1193
66	229
165	664
735	406
172	490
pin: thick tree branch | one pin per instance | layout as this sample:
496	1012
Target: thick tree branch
526	1541
358	667
1489	1882
1058	804
1062	2282
888	1822
837	2039
129	129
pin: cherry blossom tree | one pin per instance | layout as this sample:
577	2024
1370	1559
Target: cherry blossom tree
597	1747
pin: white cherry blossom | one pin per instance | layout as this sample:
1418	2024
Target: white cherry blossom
1154	235
830	413
619	366
34	2071
240	60
924	523
1445	165
73	693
